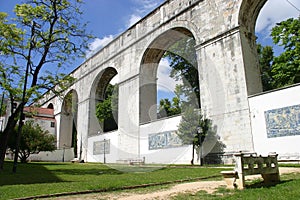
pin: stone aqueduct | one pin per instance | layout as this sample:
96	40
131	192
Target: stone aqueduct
228	73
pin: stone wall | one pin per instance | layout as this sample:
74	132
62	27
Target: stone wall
227	65
275	120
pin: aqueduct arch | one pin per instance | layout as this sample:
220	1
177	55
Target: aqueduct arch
68	121
149	67
97	95
227	65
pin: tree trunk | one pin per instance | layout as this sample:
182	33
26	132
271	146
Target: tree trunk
23	157
193	154
201	156
11	123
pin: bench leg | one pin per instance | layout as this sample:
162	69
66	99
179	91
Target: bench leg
240	182
230	181
271	178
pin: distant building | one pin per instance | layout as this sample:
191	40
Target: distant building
42	116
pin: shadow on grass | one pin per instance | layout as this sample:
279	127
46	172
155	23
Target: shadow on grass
92	171
26	174
262	184
35	173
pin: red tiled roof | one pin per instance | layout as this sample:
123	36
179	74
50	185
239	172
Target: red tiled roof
40	111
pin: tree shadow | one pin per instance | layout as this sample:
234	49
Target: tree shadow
215	146
262	184
27	174
35	173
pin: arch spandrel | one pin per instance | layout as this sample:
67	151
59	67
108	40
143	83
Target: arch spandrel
220	29
68	121
149	66
248	13
97	94
100	82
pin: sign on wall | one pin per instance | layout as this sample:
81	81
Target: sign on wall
283	122
164	140
100	146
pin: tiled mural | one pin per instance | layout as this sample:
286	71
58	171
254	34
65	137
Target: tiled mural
164	140
283	121
98	147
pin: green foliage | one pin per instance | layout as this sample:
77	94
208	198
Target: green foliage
58	40
286	67
183	61
33	140
108	108
266	56
282	70
44	34
167	108
193	127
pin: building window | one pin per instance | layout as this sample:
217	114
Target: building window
52	124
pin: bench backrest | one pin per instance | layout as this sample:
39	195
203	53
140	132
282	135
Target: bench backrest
250	165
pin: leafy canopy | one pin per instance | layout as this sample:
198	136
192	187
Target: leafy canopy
45	36
33	140
108	108
282	70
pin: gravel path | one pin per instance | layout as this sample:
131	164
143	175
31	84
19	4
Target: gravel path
193	187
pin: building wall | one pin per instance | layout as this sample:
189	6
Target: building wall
227	64
275	121
45	124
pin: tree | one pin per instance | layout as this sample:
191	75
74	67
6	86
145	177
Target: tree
33	140
286	66
282	70
107	110
183	61
167	108
192	130
44	37
266	56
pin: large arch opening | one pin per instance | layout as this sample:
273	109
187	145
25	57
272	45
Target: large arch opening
258	18
158	98
68	124
105	101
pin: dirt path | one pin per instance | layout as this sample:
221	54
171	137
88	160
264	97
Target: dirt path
193	187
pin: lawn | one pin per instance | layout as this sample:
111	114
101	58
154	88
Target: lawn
288	188
34	179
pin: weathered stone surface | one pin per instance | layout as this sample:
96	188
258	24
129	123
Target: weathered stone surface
227	64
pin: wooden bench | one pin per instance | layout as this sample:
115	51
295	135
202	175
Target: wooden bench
132	161
251	165
137	161
291	158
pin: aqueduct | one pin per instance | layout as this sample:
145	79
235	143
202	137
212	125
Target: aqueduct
227	63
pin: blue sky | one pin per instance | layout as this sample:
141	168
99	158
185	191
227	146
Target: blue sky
109	18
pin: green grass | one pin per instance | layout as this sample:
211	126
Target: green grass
288	188
50	178
34	179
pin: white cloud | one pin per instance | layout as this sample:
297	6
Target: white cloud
133	19
164	81
142	8
275	11
145	6
97	44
